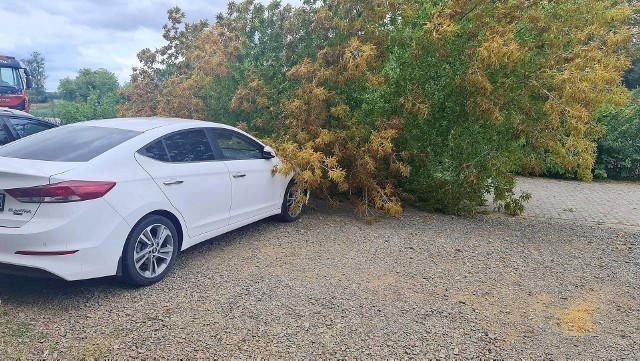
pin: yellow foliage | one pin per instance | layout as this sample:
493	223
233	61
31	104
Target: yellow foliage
213	52
141	97
179	98
500	49
581	71
318	154
302	71
340	111
253	96
357	57
441	26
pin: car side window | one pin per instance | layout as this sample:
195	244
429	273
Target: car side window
156	150
25	127
235	146
4	133
181	147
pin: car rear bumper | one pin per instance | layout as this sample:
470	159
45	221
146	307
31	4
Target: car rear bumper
26	271
92	228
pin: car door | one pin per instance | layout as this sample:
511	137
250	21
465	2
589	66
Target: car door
255	189
23	126
197	184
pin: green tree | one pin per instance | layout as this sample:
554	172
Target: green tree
36	65
632	75
619	148
87	82
92	94
491	88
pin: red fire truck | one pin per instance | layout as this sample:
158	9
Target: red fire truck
15	79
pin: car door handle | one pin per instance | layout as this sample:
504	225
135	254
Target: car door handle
239	175
172	182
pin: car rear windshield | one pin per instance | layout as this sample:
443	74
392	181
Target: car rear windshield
67	144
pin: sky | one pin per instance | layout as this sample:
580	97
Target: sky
76	34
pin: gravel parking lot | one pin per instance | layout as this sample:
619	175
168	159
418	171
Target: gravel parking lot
421	285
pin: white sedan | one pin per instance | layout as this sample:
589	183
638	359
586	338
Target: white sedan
124	196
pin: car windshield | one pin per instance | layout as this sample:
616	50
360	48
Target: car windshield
10	77
67	144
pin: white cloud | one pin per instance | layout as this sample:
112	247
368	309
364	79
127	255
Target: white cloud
93	34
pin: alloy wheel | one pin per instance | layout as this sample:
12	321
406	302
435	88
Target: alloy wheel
153	250
294	205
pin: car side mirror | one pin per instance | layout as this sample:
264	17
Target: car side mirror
29	82
268	153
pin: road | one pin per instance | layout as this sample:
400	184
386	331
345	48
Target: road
607	203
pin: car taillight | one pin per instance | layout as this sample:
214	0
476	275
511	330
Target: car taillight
71	191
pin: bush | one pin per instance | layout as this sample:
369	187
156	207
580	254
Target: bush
95	107
436	101
619	148
37	96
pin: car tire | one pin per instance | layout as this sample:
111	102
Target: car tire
150	251
287	214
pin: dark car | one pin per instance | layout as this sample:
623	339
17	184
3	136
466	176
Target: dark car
15	124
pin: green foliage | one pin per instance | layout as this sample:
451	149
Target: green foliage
37	95
619	148
485	92
456	158
632	76
49	111
52	96
43	110
88	82
97	106
217	96
92	94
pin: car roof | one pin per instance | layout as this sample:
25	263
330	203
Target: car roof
9	111
145	124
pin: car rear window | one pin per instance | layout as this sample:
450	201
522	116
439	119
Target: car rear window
67	144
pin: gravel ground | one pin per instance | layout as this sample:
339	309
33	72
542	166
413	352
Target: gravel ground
330	286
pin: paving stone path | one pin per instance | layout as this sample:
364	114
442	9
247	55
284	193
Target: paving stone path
610	203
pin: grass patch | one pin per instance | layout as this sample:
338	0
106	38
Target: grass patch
16	337
21	330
